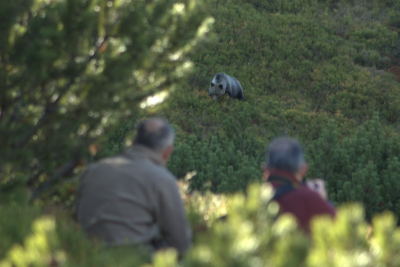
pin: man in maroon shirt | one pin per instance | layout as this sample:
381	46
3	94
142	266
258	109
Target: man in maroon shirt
285	169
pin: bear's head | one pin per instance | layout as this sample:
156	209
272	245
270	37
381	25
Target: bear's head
218	86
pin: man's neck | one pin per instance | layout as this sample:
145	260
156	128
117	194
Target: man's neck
298	177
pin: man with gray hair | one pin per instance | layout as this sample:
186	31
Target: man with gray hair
132	198
285	169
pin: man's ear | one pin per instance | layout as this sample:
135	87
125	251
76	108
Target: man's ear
167	153
264	167
170	150
303	170
266	172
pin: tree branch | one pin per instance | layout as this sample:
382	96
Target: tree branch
32	179
70	166
50	108
65	170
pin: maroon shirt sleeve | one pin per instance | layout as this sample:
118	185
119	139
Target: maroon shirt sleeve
304	204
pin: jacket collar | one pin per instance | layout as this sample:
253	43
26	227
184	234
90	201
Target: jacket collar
280	177
143	152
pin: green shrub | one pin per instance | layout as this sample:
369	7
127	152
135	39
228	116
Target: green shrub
248	237
363	167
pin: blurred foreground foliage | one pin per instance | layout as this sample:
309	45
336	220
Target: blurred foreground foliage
249	237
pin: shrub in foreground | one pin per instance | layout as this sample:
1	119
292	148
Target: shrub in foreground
248	237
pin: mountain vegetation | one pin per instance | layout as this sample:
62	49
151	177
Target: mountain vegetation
76	76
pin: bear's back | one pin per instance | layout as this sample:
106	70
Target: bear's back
235	87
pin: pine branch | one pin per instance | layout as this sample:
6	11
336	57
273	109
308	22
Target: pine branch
52	107
54	179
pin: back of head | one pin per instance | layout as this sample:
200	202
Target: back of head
285	154
155	134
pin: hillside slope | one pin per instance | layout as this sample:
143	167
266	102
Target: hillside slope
301	64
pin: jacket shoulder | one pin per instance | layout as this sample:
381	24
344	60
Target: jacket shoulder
305	193
156	173
166	177
313	201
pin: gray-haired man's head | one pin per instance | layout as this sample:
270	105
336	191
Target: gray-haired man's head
157	135
285	154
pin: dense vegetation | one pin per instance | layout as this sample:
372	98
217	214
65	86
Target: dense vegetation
75	76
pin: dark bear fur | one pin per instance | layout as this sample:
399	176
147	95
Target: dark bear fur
224	84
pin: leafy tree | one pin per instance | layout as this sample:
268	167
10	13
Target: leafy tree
70	70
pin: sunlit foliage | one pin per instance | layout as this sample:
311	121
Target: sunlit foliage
71	70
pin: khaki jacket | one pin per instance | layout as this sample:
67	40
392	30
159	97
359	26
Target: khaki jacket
133	199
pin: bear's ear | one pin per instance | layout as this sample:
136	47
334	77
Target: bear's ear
212	84
220	86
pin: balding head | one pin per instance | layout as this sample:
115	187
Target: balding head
285	154
155	134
